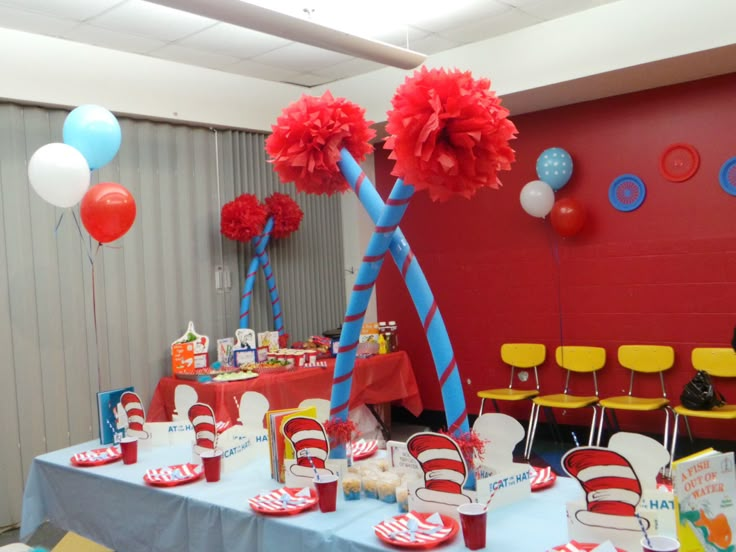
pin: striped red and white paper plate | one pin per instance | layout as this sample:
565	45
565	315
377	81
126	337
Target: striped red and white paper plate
284	502
173	475
543	478
363	449
574	546
432	530
97	457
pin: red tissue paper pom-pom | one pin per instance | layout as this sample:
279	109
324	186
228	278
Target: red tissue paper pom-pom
340	431
307	139
286	213
449	133
243	218
471	445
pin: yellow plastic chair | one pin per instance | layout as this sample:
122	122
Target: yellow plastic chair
579	359
643	359
523	356
719	362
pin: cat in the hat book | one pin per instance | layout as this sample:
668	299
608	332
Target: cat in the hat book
275	420
107	411
705	495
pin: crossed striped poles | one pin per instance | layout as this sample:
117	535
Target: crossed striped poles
365	281
434	327
261	259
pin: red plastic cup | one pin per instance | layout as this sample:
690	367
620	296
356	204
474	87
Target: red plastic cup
658	543
212	463
326	487
473	522
129	448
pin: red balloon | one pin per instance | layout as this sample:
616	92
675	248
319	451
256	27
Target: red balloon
567	216
107	211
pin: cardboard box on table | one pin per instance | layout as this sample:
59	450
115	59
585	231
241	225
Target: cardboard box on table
618	482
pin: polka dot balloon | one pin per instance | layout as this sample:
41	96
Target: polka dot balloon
554	166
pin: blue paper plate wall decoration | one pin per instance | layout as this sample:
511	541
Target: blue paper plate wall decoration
627	192
727	176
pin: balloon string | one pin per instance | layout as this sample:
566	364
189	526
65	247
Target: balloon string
94	317
58	223
81	237
554	243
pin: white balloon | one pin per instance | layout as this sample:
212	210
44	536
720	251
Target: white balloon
59	173
537	198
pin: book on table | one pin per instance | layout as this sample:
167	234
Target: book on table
279	450
107	405
704	486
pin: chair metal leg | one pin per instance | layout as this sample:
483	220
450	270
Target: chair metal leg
600	426
495	405
673	448
592	425
482	402
689	433
533	417
549	415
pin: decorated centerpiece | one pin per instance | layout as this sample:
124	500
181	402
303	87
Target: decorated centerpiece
449	135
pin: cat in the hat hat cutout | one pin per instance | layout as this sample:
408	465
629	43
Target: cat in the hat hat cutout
133	407
202	417
612	488
311	446
444	468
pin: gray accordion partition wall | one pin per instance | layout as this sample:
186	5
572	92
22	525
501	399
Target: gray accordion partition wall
161	274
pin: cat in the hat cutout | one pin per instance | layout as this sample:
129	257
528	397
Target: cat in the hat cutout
135	414
612	488
619	483
184	397
311	447
202	417
444	472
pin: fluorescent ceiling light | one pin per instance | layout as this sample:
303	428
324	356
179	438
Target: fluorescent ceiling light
298	29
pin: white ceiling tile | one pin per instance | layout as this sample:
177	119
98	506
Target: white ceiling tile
174	52
151	20
465	12
22	20
258	70
431	44
232	40
308	79
350	68
79	10
300	57
89	34
506	22
552	9
399	37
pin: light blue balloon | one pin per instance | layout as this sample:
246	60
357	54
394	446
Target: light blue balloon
95	132
554	166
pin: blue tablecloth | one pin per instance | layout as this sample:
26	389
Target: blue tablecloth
112	505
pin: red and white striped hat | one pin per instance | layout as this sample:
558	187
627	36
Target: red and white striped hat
136	415
309	439
202	417
612	488
444	468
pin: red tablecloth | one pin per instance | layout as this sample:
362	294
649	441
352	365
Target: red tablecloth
378	379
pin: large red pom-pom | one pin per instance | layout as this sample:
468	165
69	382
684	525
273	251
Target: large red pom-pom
243	218
449	133
286	213
307	138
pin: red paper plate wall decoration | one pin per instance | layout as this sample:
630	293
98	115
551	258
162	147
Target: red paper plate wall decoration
679	162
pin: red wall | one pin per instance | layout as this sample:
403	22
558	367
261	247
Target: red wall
663	274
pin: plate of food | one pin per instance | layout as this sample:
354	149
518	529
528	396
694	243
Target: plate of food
97	457
235	376
417	530
284	502
171	476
